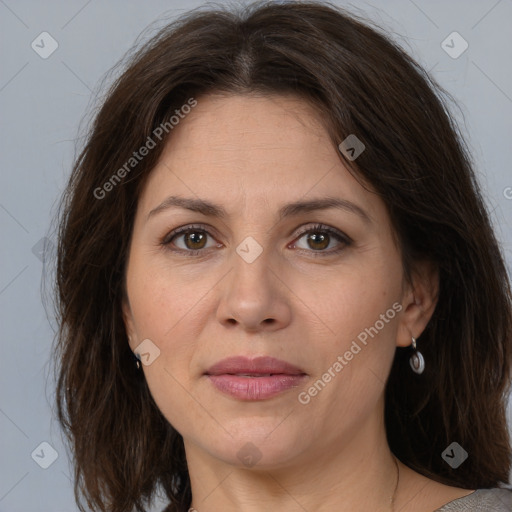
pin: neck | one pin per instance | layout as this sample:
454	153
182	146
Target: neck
356	473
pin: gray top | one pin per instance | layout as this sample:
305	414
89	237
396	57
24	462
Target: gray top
481	500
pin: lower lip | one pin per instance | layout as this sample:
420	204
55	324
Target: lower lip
255	388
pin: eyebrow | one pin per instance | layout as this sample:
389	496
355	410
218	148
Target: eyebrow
210	209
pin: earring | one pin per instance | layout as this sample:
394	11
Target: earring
417	360
137	358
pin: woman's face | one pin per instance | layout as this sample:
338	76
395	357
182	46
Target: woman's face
335	307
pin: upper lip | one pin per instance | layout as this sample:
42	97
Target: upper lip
258	365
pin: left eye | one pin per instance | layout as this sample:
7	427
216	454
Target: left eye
319	239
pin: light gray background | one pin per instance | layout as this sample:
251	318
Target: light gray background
42	102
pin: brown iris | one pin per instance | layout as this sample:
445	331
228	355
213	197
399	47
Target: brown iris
317	238
194	237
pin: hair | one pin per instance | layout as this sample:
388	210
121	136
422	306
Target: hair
359	82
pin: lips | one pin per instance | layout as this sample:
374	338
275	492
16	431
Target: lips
263	366
261	378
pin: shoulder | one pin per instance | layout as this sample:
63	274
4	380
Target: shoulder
497	499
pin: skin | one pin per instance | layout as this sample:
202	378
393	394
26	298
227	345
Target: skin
252	154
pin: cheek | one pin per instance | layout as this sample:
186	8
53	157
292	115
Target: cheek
168	319
161	298
358	309
168	309
355	360
172	397
350	299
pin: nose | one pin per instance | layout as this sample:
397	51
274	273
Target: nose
253	297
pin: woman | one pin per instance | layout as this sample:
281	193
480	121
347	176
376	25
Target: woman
275	213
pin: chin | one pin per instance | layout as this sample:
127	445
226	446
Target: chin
255	446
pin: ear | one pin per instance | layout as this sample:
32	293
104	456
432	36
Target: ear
419	302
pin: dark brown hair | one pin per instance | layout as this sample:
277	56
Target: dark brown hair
360	83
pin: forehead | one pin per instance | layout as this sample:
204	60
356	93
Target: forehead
253	151
237	126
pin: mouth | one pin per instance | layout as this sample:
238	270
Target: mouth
261	378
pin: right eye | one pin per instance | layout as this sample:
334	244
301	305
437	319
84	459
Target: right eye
193	237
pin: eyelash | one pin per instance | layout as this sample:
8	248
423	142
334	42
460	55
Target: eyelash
341	237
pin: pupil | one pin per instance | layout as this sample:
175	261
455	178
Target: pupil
195	238
316	238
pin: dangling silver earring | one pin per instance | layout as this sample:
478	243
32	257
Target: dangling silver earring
416	361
